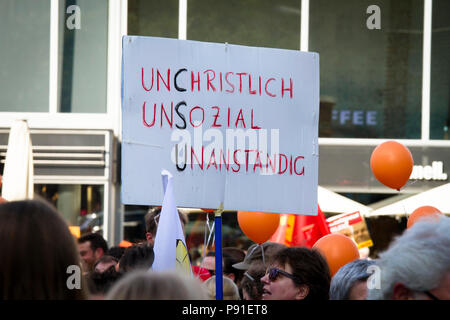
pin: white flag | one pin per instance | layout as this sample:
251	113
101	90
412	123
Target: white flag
170	246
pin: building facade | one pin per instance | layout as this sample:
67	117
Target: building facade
384	74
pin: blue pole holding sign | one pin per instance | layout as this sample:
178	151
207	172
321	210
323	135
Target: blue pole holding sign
218	251
218	254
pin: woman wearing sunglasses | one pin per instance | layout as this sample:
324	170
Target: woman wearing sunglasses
297	274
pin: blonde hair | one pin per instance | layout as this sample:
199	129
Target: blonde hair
149	285
230	289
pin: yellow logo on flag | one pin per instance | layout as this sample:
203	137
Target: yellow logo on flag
183	263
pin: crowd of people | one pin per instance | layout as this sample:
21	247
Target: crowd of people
40	259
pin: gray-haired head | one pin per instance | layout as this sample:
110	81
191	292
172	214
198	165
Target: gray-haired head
418	259
347	276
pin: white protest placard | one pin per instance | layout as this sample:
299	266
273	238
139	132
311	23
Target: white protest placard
235	125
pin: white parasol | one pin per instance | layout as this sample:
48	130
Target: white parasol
330	201
18	171
436	197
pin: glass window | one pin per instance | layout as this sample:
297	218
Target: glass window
24	55
440	71
134	223
80	205
153	18
370	79
261	23
83	39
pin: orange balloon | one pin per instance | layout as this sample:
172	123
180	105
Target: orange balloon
337	249
125	244
392	164
258	226
421	212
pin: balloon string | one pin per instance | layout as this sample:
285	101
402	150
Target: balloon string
407	185
402	203
210	232
412	182
204	240
404	209
253	250
262	252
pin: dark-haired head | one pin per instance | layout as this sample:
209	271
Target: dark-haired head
36	252
92	247
299	268
152	220
139	256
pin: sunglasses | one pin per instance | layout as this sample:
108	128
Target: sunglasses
275	272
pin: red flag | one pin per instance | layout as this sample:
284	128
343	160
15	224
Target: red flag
202	273
301	230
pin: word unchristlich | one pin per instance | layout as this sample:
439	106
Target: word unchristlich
213	81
